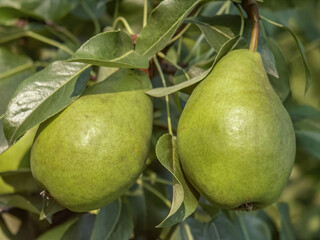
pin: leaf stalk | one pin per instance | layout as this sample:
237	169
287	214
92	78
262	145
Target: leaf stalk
124	22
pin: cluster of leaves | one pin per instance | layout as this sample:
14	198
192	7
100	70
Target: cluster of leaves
52	49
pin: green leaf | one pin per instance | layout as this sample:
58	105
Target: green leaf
11	64
287	230
306	122
251	227
58	231
106	221
49	207
3	141
218	29
97	7
182	76
269	62
81	229
8	15
209	209
120	81
31	204
308	139
185	198
301	50
219	228
163	91
8	33
13	70
21	181
110	49
281	84
124	227
42	95
304	112
146	208
43	9
162	24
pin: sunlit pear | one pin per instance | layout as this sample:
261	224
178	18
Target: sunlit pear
93	151
235	139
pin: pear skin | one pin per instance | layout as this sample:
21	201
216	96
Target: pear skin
93	151
235	139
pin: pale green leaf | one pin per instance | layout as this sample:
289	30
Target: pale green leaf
110	49
185	198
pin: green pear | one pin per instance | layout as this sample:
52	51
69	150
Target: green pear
14	158
235	139
93	151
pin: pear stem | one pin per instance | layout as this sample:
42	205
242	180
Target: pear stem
252	10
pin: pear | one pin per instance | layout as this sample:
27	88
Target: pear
235	139
14	158
93	151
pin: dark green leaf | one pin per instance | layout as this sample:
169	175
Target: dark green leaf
11	64
268	60
106	221
306	122
81	229
18	181
110	49
31	204
15	164
43	95
121	80
220	228
301	50
161	92
124	227
13	70
147	209
58	231
50	207
281	84
97	7
162	24
218	29
211	210
9	14
43	9
251	227
304	112
283	4
308	138
185	198
181	76
8	33
3	141
287	230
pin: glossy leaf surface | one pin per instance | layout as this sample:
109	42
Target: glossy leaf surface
110	49
43	95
